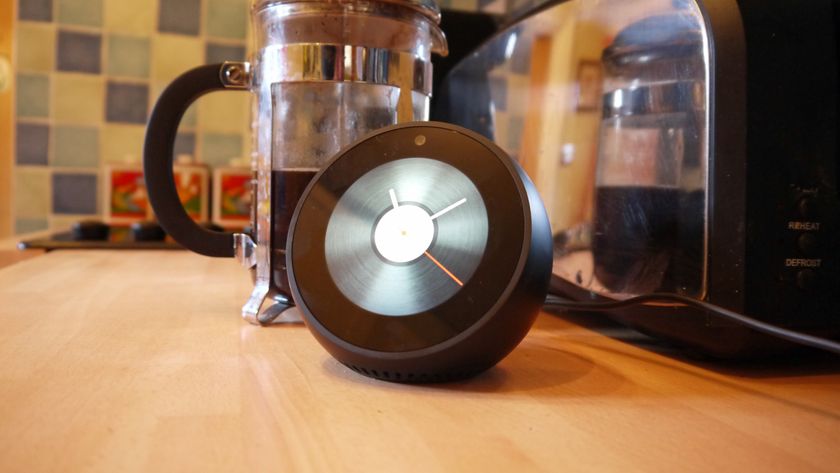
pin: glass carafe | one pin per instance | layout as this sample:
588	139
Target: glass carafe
324	74
650	194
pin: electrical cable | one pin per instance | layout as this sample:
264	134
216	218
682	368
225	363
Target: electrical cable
660	298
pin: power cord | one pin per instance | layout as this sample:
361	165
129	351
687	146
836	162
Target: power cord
660	298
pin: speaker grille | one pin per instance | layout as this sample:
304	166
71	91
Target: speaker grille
412	378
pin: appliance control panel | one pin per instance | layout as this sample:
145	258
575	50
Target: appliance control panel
808	257
805	230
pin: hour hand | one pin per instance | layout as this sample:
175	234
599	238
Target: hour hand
393	195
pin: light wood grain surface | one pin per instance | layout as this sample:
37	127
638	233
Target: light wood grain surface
138	361
9	254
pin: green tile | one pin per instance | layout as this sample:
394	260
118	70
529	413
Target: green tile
32	193
227	18
29	225
128	56
190	118
33	95
80	12
76	147
217	149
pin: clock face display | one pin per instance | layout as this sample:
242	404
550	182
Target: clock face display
407	239
406	236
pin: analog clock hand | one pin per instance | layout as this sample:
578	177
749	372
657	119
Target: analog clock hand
447	209
443	268
393	198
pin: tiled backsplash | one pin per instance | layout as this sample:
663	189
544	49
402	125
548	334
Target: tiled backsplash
88	73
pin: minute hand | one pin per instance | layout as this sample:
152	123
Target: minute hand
447	209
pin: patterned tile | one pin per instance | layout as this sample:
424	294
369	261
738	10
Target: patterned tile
32	193
35	47
76	146
86	71
128	56
78	98
35	10
33	95
224	111
218	149
80	12
185	144
227	18
74	194
79	52
217	53
122	143
29	225
167	66
126	103
131	17
32	144
180	16
190	118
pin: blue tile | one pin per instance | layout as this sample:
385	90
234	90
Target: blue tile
180	16
74	194
79	52
216	53
35	10
32	146
217	149
126	103
185	144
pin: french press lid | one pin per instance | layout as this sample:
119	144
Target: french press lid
423	11
427	8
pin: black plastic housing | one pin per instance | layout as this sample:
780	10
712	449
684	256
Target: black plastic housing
494	333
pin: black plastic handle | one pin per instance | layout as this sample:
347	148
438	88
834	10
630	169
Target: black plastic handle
158	153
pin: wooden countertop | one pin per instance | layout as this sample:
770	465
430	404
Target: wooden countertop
138	361
9	254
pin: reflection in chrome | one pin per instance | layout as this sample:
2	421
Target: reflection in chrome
605	104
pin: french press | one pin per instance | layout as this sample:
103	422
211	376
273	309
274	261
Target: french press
325	73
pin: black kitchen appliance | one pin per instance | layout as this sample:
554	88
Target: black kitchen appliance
681	146
420	253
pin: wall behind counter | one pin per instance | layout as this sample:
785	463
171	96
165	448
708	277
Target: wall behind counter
87	73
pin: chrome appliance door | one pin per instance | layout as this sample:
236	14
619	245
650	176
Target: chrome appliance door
605	104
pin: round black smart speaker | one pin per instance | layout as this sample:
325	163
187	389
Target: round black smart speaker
421	253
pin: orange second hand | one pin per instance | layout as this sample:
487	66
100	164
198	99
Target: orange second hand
444	269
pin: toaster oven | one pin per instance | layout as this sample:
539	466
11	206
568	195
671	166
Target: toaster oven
681	146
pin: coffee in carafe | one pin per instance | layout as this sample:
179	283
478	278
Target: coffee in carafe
324	74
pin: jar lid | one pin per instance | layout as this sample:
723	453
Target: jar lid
427	8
